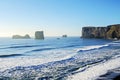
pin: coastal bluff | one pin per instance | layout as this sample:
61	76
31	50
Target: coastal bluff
108	32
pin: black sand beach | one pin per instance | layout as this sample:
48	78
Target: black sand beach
111	75
117	78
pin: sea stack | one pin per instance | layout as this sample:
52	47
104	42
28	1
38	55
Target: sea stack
39	35
21	37
64	36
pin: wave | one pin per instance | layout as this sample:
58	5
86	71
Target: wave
61	68
69	46
10	55
56	69
93	72
45	49
88	48
118	41
24	46
60	62
42	49
41	58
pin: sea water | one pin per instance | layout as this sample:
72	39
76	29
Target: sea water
71	58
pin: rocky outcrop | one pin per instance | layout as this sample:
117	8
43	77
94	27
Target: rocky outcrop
64	36
113	31
93	32
109	32
39	35
21	37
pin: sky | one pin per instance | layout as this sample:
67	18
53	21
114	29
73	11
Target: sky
55	17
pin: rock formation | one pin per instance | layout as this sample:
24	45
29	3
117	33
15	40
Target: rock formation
21	37
93	32
113	31
39	35
64	36
109	32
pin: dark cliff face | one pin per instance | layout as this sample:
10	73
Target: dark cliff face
109	32
113	31
93	32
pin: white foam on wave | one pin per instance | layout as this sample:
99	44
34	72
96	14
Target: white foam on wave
42	57
117	41
91	47
95	71
47	56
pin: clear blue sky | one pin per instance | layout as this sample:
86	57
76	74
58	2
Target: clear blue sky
56	17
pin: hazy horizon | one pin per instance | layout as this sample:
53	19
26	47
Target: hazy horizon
55	17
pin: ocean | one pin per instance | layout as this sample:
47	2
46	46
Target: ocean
71	58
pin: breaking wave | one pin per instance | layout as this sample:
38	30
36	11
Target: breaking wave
71	62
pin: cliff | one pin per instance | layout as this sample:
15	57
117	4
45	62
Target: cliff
93	32
113	31
108	32
21	37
